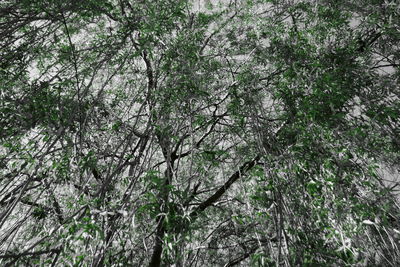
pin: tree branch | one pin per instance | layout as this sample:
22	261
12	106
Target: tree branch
36	253
234	177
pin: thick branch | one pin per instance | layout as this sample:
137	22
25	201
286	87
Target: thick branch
155	260
163	195
32	254
234	177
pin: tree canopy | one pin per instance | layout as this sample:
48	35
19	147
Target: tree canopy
199	133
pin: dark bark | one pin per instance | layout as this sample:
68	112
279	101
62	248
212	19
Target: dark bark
234	177
158	245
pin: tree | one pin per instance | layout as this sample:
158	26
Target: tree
199	133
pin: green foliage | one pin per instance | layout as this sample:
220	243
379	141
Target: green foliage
39	213
207	133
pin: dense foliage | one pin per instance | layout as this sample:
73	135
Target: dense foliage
199	133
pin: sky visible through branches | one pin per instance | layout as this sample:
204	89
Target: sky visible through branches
199	133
